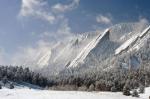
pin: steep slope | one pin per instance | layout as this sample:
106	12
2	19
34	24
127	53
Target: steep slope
110	43
65	52
139	37
91	49
83	54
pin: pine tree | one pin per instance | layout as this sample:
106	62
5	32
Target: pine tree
11	86
126	90
135	93
4	80
91	87
113	89
0	86
141	89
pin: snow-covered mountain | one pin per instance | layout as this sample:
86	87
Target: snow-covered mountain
107	45
93	48
60	55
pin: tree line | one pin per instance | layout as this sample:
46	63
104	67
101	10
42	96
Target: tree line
19	74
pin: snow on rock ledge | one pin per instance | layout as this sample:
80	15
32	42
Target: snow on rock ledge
82	55
131	41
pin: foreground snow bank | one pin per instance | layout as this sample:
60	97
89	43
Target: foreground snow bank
26	93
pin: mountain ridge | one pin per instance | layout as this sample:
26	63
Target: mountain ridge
92	49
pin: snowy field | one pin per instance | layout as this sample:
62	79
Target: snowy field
26	93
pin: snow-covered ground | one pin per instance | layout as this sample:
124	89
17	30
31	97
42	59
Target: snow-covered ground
26	93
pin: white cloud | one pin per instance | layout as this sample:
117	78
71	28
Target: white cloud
28	7
36	8
3	57
30	55
63	8
64	27
63	32
46	16
142	23
103	19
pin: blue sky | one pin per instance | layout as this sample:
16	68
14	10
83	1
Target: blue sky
31	23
